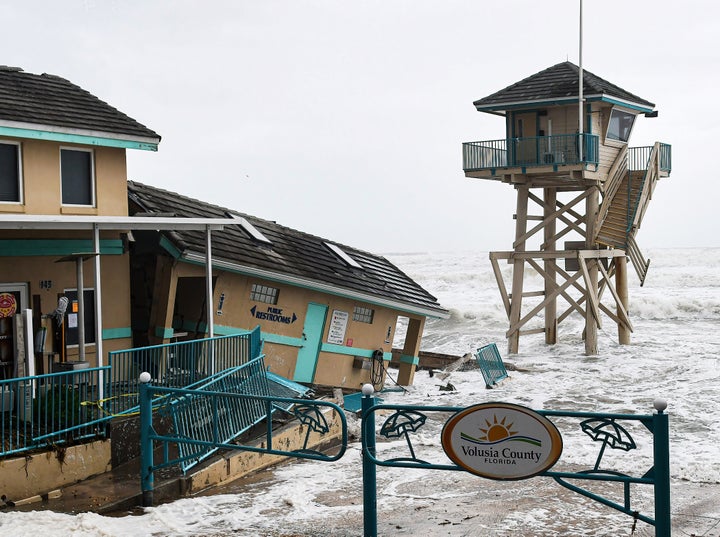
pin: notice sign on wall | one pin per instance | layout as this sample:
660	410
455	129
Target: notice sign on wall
501	441
338	327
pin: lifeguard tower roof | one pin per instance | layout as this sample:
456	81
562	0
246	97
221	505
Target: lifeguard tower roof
558	85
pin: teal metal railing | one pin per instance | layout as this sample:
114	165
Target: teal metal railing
175	365
216	406
48	410
639	157
64	407
561	149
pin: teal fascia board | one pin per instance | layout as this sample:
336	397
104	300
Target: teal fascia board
169	247
15	132
116	333
279	279
529	107
637	108
49	247
405	359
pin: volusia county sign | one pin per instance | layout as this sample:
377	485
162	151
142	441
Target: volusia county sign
501	441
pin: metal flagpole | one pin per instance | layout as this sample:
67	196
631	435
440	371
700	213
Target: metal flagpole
580	92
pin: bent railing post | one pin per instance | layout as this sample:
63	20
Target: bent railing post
146	447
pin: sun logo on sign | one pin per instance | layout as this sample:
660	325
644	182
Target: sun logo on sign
497	430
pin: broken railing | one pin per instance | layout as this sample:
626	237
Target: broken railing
202	414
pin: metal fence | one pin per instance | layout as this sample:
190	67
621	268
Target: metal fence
175	365
48	410
43	411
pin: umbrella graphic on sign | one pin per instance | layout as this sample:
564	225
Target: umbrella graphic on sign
607	431
401	424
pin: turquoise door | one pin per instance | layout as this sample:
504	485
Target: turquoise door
312	338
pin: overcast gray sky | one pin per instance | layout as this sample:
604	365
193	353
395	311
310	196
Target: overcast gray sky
345	118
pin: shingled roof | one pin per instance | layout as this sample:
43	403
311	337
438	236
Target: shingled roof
291	256
49	100
556	84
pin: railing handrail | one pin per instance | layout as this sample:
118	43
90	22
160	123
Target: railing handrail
56	374
180	343
531	151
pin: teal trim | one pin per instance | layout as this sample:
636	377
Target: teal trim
508	108
405	359
38	247
116	333
588	119
221	330
164	333
297	285
169	247
626	105
352	351
82	139
278	339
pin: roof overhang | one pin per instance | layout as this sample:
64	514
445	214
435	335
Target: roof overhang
502	107
118	223
197	258
16	129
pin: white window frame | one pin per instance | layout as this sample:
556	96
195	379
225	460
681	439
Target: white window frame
619	141
21	197
93	200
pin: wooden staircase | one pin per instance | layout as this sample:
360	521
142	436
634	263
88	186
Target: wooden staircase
628	192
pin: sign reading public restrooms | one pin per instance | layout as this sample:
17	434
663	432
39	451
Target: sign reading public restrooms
501	441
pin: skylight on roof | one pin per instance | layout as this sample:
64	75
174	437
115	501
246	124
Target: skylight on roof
249	228
334	248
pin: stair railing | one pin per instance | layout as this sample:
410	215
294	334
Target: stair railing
636	258
652	174
616	175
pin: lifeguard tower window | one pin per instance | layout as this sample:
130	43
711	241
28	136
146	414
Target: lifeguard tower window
71	316
620	125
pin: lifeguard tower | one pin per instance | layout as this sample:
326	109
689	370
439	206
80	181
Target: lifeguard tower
588	190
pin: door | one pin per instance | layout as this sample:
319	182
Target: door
13	300
312	338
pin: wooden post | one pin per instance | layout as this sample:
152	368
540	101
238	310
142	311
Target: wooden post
591	323
621	286
549	245
409	358
163	301
518	268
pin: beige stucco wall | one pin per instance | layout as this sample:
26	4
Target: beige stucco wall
333	368
42	196
23	477
115	291
41	180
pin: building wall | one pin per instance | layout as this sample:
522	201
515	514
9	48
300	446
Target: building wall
41	180
345	364
47	279
31	256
